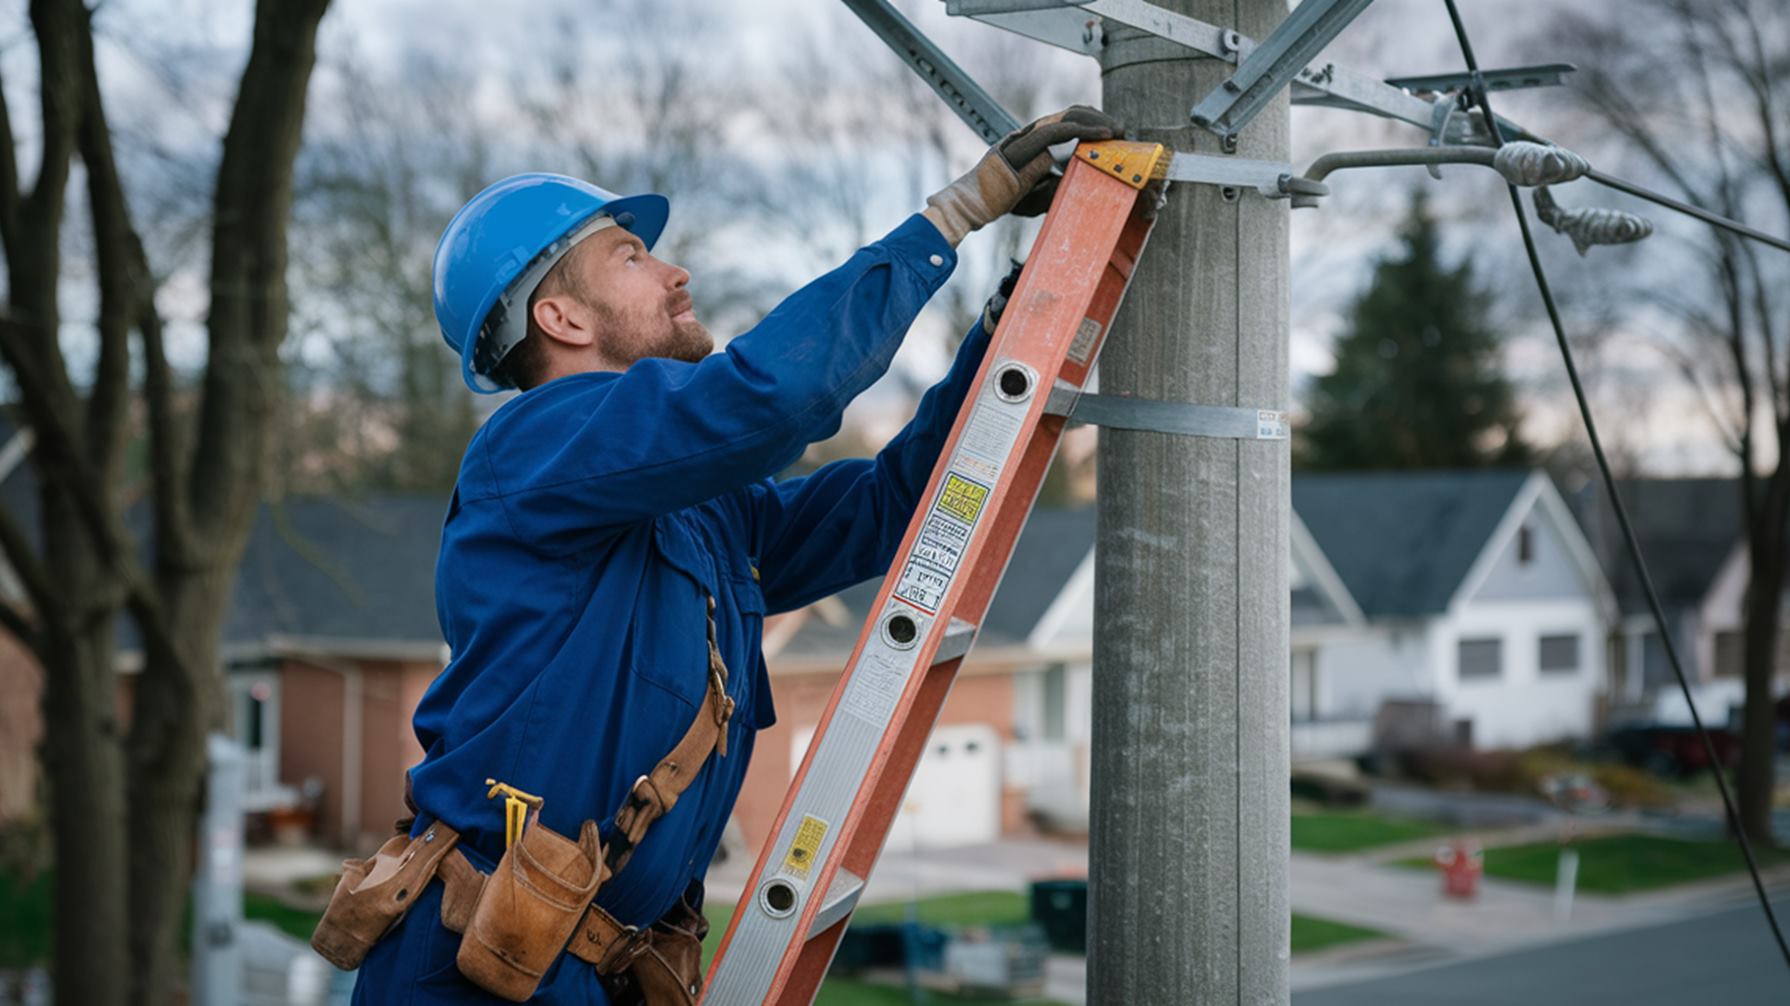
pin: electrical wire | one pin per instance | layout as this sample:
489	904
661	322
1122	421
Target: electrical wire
1477	91
1716	219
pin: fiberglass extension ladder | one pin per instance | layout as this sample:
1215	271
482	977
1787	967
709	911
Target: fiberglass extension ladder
827	837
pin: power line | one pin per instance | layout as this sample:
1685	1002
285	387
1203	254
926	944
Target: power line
1477	90
1716	219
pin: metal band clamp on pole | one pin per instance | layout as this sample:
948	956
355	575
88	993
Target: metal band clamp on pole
1223	422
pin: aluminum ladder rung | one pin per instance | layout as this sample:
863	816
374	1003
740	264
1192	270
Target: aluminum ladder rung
841	899
958	637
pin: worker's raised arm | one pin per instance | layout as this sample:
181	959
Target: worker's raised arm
618	425
590	452
841	525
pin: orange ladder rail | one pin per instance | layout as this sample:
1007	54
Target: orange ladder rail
844	797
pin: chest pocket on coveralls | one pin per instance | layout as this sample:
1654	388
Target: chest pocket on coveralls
672	638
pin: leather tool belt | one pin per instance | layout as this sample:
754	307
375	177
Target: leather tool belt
539	902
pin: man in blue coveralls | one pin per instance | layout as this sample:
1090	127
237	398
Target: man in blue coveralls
598	512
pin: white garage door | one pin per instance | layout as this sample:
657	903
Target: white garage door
955	797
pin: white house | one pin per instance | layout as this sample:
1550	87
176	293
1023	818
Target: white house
1470	594
1692	535
1479	595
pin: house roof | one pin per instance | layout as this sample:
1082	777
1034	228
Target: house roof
1050	549
340	569
1053	544
1687	529
1403	541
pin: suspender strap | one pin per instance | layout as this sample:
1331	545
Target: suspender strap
654	794
600	939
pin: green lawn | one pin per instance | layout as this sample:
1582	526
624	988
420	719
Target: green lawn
25	931
1622	864
1004	907
1316	934
1347	831
25	917
24	921
296	921
980	908
847	992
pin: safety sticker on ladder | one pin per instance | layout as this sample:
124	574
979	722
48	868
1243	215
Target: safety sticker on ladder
939	549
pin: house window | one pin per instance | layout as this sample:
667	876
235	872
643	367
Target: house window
1056	702
1558	654
1525	545
1730	654
1305	685
1481	658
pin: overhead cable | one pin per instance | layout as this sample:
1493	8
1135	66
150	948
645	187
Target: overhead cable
1477	90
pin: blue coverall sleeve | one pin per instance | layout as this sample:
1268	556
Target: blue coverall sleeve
841	525
585	454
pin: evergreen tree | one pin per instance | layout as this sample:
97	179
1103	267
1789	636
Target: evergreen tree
1417	382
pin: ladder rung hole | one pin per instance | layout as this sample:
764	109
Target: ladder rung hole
1013	382
778	897
901	630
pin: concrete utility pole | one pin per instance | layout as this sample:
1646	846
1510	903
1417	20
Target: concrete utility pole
1189	825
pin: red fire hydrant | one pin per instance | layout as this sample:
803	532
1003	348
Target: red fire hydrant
1461	865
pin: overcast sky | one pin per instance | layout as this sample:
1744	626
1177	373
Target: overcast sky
1332	247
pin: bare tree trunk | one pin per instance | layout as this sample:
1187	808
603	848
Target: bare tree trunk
172	712
1758	736
84	764
83	760
213	509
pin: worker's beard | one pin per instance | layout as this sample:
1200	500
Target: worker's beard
655	333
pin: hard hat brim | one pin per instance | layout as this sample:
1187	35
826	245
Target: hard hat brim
649	211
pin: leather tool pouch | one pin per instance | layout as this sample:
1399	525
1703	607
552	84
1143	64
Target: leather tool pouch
528	908
374	894
668	972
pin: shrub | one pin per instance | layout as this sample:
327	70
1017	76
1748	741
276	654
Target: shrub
1630	787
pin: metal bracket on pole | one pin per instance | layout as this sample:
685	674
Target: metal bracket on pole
1075	25
1274	64
1270	178
1507	79
1184	418
976	107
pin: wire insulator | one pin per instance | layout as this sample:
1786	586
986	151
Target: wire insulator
1590	225
1529	164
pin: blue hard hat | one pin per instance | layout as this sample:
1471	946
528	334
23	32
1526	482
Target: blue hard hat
490	245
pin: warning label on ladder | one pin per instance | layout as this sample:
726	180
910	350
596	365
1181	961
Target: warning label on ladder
806	847
939	549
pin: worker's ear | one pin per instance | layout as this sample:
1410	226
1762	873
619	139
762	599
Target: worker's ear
565	320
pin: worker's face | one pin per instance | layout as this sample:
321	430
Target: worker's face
638	304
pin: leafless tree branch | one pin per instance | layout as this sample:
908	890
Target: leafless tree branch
16	546
9	182
122	275
249	310
1730	430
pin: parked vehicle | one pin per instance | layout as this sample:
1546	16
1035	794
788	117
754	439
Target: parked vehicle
1669	749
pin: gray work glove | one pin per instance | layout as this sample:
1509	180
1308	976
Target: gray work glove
1015	175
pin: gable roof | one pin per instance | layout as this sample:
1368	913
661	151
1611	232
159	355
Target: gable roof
1403	541
359	569
1687	530
1053	544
